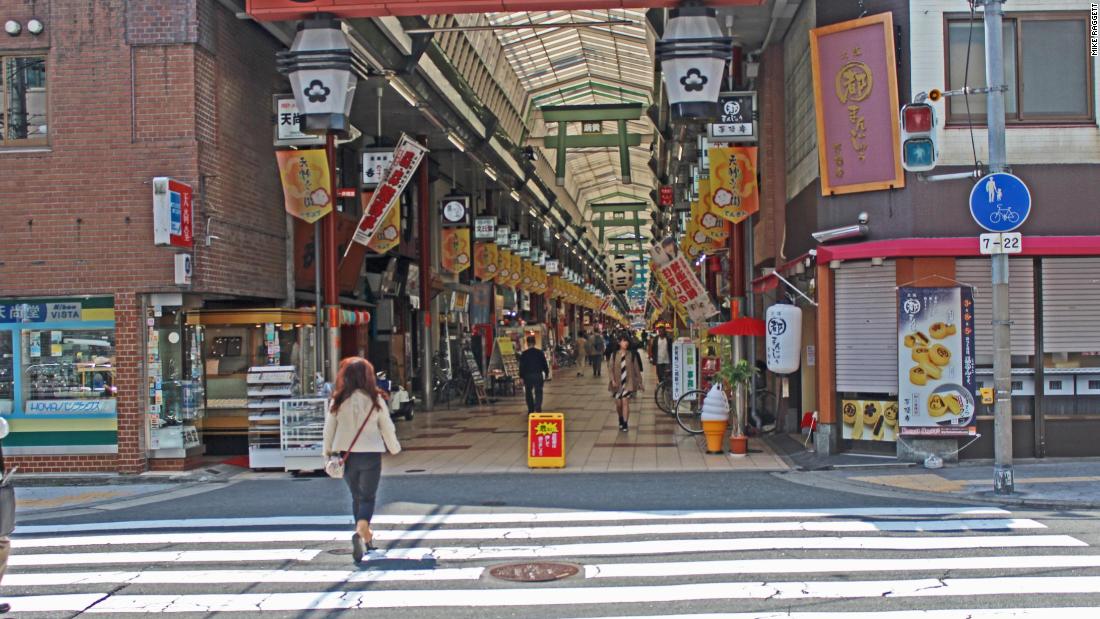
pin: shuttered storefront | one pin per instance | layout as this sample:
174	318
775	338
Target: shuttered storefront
866	328
1071	305
1021	279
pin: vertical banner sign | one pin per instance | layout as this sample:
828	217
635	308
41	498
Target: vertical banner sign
936	382
485	261
172	213
666	195
856	101
504	266
733	192
456	249
406	158
685	371
305	183
516	270
681	280
389	230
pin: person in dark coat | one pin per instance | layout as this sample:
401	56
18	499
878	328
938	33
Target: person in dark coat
533	369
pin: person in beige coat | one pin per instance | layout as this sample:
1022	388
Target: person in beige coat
625	370
357	402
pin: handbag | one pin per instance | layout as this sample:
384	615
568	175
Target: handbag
7	506
334	466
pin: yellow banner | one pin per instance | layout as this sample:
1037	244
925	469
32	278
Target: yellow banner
517	270
456	249
504	266
485	261
389	230
306	184
707	216
733	188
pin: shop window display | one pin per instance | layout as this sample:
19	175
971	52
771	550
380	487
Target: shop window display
68	371
7	373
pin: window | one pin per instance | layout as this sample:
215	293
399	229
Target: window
1034	43
65	364
7	376
22	100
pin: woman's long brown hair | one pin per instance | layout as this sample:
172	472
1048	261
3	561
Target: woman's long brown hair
355	374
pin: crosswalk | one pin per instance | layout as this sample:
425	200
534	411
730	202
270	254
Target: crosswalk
930	562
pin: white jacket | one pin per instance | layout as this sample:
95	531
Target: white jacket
379	434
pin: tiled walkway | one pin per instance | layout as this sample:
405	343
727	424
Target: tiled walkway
493	439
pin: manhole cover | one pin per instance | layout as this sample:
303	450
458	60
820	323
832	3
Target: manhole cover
534	572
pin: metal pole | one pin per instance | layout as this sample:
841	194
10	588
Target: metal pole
424	231
332	290
1002	353
319	326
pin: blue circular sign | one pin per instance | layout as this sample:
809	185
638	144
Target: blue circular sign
1000	202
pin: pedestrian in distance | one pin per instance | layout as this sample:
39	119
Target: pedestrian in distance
596	347
533	369
581	352
359	426
626	378
660	353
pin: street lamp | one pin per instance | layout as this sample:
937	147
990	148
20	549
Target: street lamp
318	65
693	55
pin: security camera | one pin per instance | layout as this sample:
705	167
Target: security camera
863	218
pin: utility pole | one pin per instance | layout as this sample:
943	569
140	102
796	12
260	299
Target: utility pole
1002	354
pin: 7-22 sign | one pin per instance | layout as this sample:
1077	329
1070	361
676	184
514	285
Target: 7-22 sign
1001	243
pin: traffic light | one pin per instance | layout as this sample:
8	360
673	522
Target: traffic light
919	150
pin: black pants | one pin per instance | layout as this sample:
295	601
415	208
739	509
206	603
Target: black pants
597	364
662	371
362	473
532	388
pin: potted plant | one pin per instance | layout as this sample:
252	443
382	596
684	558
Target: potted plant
734	378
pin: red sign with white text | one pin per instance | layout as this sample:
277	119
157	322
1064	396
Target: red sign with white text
406	158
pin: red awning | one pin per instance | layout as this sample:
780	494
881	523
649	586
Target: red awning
740	326
769	282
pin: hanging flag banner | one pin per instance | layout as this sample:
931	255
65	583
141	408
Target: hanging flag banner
406	158
732	189
504	266
456	249
669	299
485	261
707	215
305	183
682	282
389	230
936	377
516	272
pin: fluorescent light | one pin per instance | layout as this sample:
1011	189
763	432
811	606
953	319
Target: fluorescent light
491	173
457	141
405	92
515	195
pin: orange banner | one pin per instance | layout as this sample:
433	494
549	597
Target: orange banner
306	183
456	249
504	266
733	189
485	261
516	270
389	230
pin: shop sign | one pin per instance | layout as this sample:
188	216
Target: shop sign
455	211
553	267
735	120
412	285
306	183
503	236
406	158
375	163
666	195
732	192
485	228
856	102
172	213
869	420
288	124
39	312
936	373
524	249
685	371
681	280
96	406
513	241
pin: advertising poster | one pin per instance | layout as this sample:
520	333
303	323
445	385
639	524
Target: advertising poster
305	183
869	420
456	249
681	280
936	382
406	158
389	231
732	190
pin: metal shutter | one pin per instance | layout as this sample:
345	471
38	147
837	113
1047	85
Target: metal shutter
1021	281
1071	304
866	302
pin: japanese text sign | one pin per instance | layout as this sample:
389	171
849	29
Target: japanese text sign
733	192
172	213
856	99
406	158
305	183
682	283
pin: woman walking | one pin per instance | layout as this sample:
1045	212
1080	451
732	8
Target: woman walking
360	427
626	379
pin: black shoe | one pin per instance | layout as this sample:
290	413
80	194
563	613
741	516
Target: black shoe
623	427
5	608
357	550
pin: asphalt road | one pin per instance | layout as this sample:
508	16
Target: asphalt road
681	545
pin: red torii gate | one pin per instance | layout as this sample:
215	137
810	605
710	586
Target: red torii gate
278	10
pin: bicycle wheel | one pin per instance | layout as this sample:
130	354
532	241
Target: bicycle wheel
663	396
689	410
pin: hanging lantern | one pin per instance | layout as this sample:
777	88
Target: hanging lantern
318	66
693	55
621	274
784	338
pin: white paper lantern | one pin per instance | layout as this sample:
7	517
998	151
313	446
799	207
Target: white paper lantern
784	341
319	67
620	274
693	54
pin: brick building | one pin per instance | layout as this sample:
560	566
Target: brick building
109	95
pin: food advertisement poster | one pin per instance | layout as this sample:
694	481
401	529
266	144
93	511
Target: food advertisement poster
869	420
936	382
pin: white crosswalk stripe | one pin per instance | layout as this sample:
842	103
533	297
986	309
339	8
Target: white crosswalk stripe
972	555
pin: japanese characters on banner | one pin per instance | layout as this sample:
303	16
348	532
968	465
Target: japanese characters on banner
936	381
305	183
389	230
456	249
516	272
621	274
869	420
856	102
707	232
406	158
485	261
681	280
504	266
732	190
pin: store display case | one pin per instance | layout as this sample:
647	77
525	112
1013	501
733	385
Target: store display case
268	385
302	433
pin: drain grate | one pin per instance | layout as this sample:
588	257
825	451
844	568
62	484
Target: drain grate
534	572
